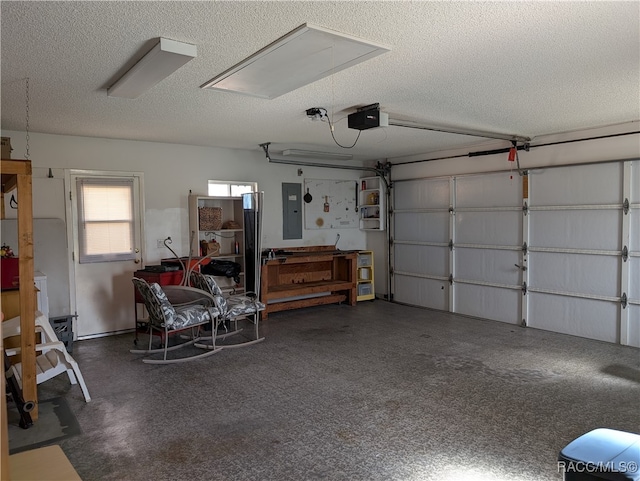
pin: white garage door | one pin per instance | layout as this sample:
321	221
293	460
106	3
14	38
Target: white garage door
558	264
488	247
575	250
421	263
632	313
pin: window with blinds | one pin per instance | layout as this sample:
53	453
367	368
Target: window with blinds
106	220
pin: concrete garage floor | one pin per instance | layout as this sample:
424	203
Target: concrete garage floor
379	391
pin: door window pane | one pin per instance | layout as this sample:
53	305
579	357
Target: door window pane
105	216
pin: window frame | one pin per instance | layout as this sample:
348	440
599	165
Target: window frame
83	256
230	184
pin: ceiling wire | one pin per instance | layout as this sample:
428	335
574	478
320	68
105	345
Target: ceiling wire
27	119
333	103
338	143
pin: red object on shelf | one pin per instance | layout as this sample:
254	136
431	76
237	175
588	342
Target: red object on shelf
9	272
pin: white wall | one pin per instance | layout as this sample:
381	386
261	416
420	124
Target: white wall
170	172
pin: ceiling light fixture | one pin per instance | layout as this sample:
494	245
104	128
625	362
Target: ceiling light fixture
162	60
302	56
316	155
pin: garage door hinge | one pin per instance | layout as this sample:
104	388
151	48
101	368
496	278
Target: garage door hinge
451	279
390	241
623	300
625	206
451	245
525	248
524	288
625	253
451	210
525	209
391	271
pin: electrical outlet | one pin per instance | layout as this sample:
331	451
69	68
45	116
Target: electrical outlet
160	243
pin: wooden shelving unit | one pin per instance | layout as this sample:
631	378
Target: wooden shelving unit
231	240
371	204
16	174
365	276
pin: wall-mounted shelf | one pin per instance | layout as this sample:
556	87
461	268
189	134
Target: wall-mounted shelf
371	203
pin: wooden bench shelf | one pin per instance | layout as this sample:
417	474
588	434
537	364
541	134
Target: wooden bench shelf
300	277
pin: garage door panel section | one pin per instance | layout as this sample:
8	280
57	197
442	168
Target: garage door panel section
574	273
498	228
421	194
575	229
634	279
488	302
421	219
422	226
488	246
590	318
634	258
634	327
590	184
490	266
489	190
431	293
422	260
634	229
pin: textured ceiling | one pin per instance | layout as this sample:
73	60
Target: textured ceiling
526	68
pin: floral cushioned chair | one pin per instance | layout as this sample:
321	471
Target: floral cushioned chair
231	308
196	308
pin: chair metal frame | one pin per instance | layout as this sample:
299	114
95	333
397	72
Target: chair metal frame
179	301
226	306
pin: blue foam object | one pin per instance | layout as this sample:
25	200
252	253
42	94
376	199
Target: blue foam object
602	454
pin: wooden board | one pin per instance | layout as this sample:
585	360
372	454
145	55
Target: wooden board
48	463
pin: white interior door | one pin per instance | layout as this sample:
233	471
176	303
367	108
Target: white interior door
104	292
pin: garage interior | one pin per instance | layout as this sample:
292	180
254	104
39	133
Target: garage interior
506	313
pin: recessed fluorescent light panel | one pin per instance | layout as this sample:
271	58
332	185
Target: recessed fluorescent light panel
302	56
316	155
160	62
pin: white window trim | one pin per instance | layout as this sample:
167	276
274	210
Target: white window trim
84	258
230	184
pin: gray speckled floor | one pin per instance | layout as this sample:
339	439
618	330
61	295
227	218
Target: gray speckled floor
378	391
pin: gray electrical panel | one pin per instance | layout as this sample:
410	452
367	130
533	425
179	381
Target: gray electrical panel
291	211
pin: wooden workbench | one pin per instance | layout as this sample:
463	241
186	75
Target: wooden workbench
308	276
